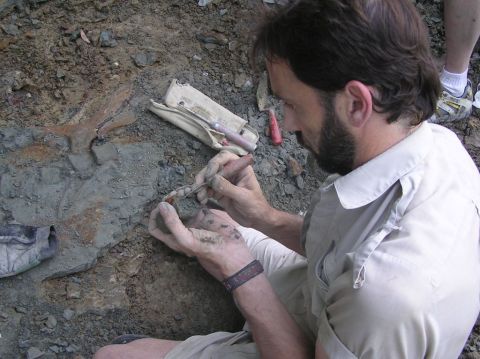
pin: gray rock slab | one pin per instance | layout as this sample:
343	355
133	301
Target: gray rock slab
34	353
83	164
105	153
91	214
6	6
57	142
50	175
14	138
68	314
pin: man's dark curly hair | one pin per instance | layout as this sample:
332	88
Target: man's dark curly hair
381	43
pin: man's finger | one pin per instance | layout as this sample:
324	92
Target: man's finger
152	223
181	238
218	162
212	169
223	187
202	197
172	222
202	194
184	191
157	233
200	177
205	194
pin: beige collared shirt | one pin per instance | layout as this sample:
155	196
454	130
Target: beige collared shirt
393	259
393	254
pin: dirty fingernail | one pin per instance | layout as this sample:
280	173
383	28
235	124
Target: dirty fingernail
211	170
163	206
215	182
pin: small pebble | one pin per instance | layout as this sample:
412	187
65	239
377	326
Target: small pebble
289	189
34	352
55	349
59	342
51	322
68	314
143	59
300	182
180	170
60	74
72	348
20	309
23	343
73	291
107	40
178	317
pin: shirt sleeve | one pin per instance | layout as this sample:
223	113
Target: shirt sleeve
388	317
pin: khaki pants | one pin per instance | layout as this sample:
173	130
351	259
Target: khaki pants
273	256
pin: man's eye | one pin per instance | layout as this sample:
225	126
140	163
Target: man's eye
288	105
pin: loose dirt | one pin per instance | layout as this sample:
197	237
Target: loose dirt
70	67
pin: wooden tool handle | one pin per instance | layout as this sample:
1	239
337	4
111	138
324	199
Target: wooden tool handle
232	167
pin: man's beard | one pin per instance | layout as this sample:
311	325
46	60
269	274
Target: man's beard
336	148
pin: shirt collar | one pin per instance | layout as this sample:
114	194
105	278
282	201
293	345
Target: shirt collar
369	181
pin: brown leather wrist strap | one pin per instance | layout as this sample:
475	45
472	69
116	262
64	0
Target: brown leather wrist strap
248	272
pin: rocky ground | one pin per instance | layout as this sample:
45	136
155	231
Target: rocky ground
69	67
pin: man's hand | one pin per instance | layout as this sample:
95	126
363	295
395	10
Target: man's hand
240	195
244	201
215	242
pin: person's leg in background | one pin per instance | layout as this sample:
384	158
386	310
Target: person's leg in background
462	30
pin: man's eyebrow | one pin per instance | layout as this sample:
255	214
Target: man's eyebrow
274	93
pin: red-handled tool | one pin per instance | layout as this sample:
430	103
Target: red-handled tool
275	133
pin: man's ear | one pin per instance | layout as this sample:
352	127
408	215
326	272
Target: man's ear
359	102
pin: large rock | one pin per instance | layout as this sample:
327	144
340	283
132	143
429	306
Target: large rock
6	6
91	213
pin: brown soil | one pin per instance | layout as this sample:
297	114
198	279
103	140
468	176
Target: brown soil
56	72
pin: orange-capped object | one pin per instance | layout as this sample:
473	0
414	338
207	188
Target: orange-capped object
275	133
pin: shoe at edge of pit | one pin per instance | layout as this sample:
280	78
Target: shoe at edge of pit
451	108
